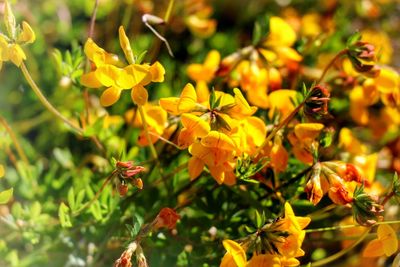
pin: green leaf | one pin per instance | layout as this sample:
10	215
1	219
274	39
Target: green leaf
6	195
95	209
259	220
261	30
63	215
95	128
71	198
354	38
35	209
140	57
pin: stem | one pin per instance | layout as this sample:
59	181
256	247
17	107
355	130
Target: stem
157	45
279	126
387	198
336	256
45	102
146	132
17	145
88	204
93	18
339	227
330	64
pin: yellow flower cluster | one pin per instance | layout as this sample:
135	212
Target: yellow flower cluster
10	45
288	246
216	131
106	72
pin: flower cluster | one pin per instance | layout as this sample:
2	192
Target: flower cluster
107	72
275	244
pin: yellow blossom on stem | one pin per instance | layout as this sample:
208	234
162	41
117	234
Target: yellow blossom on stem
385	245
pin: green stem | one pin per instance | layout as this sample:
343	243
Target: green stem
17	145
280	126
45	102
88	204
330	64
336	256
146	132
339	227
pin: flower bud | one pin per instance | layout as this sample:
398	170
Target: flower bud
316	103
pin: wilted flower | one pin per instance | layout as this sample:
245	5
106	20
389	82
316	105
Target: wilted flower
316	103
167	217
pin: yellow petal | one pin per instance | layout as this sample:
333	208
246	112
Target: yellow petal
218	140
387	81
308	130
110	96
195	167
212	60
139	74
281	101
241	109
157	72
236	251
198	126
281	33
16	54
202	92
27	35
125	44
196	72
89	80
288	53
139	95
388	237
170	104
107	75
374	249
262	260
94	52
188	98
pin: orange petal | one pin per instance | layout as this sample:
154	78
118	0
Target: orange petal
139	95
110	96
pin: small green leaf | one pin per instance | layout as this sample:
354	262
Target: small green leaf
140	57
354	38
71	198
258	220
35	209
63	215
6	195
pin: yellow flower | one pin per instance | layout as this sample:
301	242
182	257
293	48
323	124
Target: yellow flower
107	73
10	46
279	41
156	119
386	243
198	19
235	255
217	151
